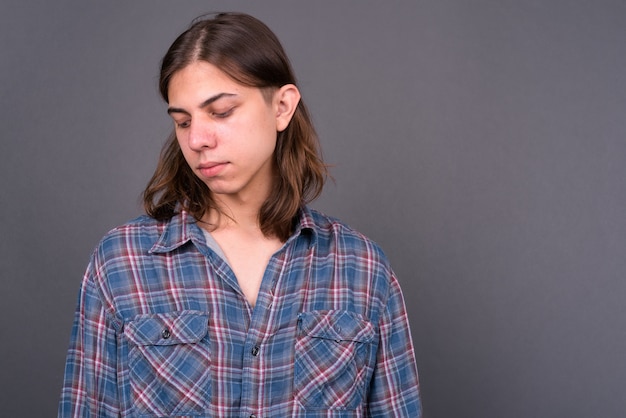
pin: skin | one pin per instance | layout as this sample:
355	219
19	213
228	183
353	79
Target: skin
227	133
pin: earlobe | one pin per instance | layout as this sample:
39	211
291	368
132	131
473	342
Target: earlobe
287	99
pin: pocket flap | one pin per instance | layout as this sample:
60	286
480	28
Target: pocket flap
168	329
336	325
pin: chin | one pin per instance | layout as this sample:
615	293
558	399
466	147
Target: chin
223	189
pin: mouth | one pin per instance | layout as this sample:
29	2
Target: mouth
211	169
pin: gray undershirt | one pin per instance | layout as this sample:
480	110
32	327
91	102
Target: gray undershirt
212	244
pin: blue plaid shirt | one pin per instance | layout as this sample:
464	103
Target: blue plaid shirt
163	329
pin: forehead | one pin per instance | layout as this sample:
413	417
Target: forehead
199	79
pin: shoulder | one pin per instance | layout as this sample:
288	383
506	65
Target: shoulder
125	248
337	236
137	233
140	225
349	263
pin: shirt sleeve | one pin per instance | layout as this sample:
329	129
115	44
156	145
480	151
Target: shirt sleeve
394	390
90	383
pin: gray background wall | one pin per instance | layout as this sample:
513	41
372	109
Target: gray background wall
481	143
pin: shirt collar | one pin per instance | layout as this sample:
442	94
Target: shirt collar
179	230
183	227
306	224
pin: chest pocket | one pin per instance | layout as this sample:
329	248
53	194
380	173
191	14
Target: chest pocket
332	348
169	363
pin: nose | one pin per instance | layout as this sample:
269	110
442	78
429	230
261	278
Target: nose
201	135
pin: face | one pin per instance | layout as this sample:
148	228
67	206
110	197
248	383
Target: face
226	131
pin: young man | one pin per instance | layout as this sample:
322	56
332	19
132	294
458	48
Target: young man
232	297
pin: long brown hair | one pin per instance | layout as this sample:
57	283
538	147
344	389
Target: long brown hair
249	52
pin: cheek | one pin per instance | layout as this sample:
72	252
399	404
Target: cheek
265	145
265	133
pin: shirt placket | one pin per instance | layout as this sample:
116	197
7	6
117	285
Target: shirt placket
255	367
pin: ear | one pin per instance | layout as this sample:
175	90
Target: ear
286	101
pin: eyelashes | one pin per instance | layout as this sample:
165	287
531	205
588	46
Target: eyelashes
222	115
216	115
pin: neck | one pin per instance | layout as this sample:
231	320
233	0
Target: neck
234	214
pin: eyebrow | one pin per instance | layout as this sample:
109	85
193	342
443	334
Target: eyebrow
207	102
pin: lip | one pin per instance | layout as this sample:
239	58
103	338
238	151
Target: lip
211	169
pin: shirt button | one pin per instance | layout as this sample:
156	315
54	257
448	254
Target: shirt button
255	352
252	416
166	334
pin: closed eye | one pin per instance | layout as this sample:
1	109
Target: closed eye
222	115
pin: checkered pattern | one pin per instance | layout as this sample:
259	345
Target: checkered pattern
330	354
163	329
168	363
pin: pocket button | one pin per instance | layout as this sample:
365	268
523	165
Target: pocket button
166	334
